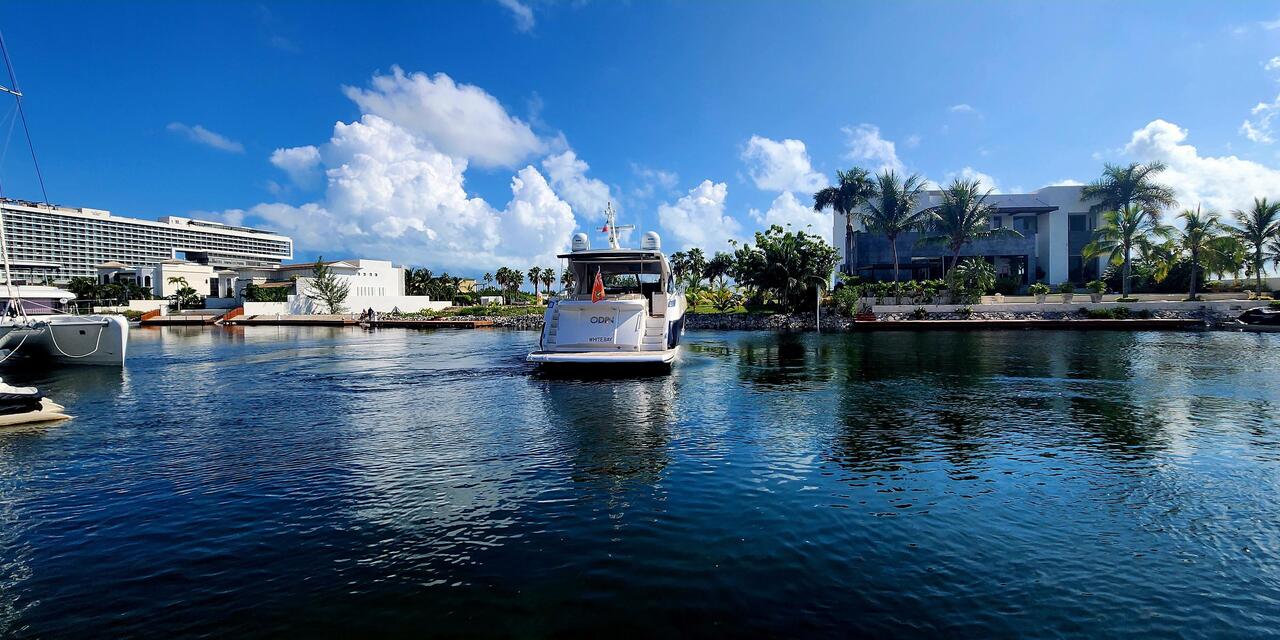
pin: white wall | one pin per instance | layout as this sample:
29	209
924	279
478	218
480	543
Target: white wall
302	305
266	308
136	305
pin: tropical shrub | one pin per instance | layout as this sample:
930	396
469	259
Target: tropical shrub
1096	286
919	313
965	311
1007	285
970	280
787	265
1066	287
845	299
1038	289
722	297
1118	313
255	293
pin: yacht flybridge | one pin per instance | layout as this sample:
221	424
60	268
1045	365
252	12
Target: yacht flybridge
624	309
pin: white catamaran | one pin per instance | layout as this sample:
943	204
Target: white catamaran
625	308
35	328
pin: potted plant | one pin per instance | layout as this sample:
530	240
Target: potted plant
1039	290
1096	289
1068	292
864	314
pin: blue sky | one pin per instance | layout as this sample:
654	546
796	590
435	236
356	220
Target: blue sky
454	134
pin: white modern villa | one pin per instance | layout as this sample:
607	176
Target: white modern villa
1055	224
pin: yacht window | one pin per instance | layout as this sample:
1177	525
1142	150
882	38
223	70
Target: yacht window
620	278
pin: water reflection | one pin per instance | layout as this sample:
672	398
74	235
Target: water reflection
266	482
616	426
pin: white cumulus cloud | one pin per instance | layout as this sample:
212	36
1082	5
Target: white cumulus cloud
698	219
1272	64
1066	182
781	166
969	173
301	163
568	174
787	209
961	108
866	145
1221	183
390	194
460	120
201	135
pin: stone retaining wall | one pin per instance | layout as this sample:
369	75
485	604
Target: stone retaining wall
1209	313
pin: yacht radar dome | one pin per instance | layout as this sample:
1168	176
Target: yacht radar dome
651	241
580	242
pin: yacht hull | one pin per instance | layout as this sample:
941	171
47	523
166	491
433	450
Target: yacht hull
87	340
603	357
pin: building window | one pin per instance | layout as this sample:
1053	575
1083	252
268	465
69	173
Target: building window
1077	223
997	222
1075	269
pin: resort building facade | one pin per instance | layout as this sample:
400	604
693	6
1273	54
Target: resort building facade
55	243
1054	223
371	284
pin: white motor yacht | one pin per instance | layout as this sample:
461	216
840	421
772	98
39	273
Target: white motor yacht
625	308
34	327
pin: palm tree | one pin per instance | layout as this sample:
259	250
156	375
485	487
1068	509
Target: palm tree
567	279
535	276
1157	255
1203	239
488	279
718	266
1120	187
1258	226
892	209
418	281
697	263
548	277
1119	233
510	280
853	188
182	285
963	216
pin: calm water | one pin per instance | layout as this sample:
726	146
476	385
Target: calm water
259	481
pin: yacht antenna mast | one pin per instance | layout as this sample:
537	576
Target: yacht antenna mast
612	228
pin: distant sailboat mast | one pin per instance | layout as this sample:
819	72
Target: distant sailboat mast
14	90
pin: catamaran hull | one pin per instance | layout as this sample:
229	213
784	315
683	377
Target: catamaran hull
88	340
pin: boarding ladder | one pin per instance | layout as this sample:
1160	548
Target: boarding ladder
655	333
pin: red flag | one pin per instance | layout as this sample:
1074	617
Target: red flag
597	289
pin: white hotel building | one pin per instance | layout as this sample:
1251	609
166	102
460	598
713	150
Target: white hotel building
1055	223
59	243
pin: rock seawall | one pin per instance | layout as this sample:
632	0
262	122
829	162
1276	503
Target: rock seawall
804	321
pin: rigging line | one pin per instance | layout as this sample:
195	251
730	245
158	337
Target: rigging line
13	121
17	97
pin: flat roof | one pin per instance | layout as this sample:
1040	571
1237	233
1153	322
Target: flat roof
604	255
178	222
